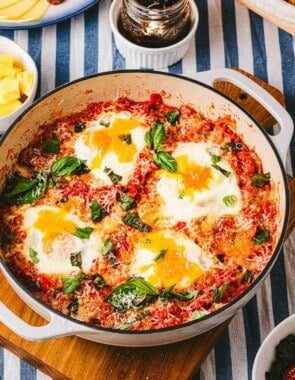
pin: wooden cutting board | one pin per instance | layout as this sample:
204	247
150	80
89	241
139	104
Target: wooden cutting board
76	358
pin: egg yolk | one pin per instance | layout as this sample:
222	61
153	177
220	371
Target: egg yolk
53	223
112	139
170	265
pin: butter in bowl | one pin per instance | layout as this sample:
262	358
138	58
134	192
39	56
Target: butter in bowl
18	81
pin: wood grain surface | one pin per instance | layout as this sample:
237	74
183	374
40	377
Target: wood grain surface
278	21
76	358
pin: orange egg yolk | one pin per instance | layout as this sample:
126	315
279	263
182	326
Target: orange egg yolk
111	139
53	223
170	265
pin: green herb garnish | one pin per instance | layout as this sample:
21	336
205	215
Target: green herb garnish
33	255
181	296
83	233
115	178
215	159
261	236
161	255
223	171
133	294
99	281
173	116
218	292
79	126
229	200
70	284
260	179
234	145
126	138
133	220
51	146
97	213
108	246
76	259
67	165
127	202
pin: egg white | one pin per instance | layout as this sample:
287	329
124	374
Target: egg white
111	159
55	258
146	265
177	206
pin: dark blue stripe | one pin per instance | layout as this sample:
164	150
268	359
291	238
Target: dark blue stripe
176	68
202	37
288	72
223	364
7	33
34	49
91	41
1	362
118	59
252	331
62	53
279	290
259	52
27	372
229	34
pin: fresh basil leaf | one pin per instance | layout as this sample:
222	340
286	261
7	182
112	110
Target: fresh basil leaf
127	202
260	179
133	294
197	314
79	126
83	233
158	133
54	182
161	255
229	200
70	284
223	171
66	165
26	191
51	146
125	326
218	292
99	281
8	237
261	236
133	220
155	135
165	161
181	296
115	178
33	255
76	259
173	116
247	277
126	138
215	159
97	213
108	246
23	185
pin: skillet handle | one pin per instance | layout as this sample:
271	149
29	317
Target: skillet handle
281	140
56	327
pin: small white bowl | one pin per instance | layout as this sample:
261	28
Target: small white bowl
266	353
8	46
151	58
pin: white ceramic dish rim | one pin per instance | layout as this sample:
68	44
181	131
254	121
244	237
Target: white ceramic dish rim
22	56
266	353
206	79
54	14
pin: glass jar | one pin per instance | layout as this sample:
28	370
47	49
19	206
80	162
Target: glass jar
154	23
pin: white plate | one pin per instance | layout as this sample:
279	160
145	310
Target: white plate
54	14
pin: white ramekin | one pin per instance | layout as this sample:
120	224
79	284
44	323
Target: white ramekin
151	58
22	57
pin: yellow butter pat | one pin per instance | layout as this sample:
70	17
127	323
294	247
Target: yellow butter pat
9	90
6	109
25	81
6	65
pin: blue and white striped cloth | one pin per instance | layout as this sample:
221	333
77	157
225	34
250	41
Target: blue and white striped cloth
228	36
